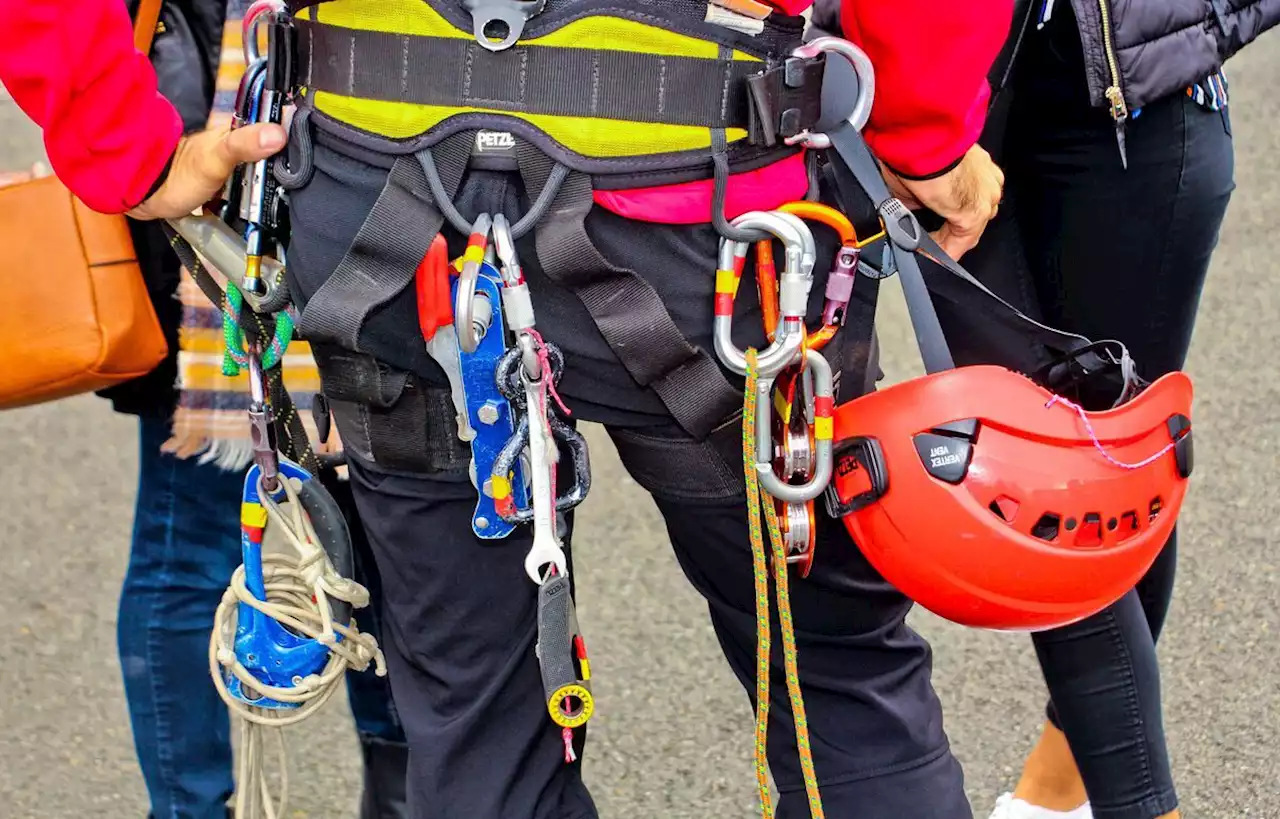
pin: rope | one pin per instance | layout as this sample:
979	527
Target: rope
235	356
756	496
297	590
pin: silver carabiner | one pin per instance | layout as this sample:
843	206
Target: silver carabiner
255	16
466	323
793	293
823	397
862	66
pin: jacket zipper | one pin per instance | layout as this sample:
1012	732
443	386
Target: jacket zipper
1114	93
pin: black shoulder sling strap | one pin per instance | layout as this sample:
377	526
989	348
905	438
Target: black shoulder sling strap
1072	356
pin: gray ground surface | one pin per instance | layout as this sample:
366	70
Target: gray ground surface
67	477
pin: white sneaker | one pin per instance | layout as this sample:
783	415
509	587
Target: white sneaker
1007	807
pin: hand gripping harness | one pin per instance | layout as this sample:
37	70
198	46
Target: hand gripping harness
989	497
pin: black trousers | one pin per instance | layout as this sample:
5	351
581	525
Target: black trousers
1108	253
459	624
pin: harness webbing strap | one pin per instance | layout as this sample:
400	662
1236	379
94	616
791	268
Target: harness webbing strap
626	309
576	82
387	249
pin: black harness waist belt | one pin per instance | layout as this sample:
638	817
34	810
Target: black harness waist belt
581	82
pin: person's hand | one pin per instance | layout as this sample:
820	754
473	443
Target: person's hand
967	197
202	165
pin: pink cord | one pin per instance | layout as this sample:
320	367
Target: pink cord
1057	399
567	735
544	358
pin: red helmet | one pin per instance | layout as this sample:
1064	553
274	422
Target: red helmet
994	503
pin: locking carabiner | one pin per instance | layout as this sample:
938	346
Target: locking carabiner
823	405
471	321
845	267
261	421
793	293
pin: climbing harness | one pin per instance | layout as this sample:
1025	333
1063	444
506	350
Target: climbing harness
988	453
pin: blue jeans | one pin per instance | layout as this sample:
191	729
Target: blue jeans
186	545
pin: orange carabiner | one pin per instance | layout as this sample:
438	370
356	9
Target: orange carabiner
832	218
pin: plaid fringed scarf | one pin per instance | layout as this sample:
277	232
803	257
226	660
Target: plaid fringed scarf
211	420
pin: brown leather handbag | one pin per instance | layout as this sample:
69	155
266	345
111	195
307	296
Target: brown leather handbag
75	316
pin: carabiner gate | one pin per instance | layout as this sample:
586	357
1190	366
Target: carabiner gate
472	313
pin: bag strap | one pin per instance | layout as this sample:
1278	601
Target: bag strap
145	23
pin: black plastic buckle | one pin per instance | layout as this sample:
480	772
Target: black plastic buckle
1097	376
784	101
281	54
901	224
852	454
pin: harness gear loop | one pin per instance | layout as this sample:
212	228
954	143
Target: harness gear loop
756	496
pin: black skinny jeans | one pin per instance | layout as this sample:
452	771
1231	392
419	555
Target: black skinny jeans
1108	253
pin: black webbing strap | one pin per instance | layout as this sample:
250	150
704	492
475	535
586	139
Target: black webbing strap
854	166
391	417
578	82
626	309
387	249
291	435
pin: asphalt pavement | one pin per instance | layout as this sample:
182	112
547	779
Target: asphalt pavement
68	473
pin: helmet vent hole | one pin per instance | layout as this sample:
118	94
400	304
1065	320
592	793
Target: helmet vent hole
1129	523
1090	533
1047	527
1071	524
1005	508
1153	511
1112	524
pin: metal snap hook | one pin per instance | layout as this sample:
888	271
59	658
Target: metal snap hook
793	293
866	85
823	406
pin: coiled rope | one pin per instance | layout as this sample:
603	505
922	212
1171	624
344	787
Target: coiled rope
756	497
298	588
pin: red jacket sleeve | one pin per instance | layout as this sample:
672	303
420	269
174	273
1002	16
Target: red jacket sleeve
931	59
71	66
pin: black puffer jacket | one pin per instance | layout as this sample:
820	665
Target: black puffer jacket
186	52
1138	51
